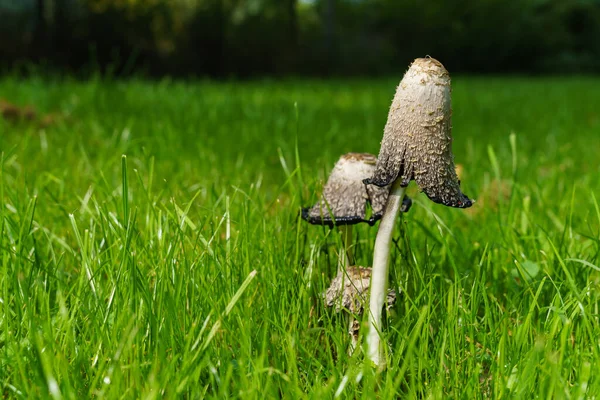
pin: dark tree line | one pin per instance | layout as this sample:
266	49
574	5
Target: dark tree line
241	38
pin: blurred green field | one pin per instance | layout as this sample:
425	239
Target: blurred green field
133	277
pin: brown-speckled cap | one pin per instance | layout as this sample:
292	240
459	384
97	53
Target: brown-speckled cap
345	195
417	141
350	288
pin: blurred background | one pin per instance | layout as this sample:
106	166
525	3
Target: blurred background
248	38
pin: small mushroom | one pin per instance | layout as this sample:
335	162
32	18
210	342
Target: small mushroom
348	292
416	145
346	199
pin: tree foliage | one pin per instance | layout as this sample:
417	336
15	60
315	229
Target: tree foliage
320	37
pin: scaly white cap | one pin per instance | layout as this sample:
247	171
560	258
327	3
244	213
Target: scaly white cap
345	196
417	140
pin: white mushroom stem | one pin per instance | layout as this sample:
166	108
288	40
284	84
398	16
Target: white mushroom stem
379	277
345	258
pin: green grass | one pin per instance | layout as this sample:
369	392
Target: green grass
134	277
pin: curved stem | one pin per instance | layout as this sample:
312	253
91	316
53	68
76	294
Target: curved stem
345	258
379	277
353	335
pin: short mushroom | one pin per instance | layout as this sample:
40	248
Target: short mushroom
345	199
348	292
416	145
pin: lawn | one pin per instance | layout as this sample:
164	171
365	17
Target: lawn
151	246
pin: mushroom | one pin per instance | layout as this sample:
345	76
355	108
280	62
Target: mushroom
345	199
416	145
348	291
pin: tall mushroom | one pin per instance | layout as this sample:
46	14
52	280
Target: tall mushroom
345	200
416	145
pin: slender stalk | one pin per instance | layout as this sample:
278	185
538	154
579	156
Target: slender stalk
379	277
345	258
353	336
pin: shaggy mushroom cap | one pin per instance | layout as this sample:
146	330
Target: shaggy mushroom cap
349	290
345	195
417	141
